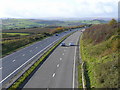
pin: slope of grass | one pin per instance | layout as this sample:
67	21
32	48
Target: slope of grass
80	76
100	51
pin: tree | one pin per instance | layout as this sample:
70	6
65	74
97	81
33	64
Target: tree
113	21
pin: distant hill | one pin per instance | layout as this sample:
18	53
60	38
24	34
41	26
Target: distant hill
11	24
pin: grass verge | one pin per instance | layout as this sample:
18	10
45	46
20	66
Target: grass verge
80	76
101	64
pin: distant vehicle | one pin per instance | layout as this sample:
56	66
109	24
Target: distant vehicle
71	44
63	44
56	35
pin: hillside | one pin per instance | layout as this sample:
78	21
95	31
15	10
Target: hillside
11	24
17	24
100	50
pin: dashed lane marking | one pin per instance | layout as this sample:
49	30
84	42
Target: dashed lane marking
60	58
13	60
53	75
1	67
58	65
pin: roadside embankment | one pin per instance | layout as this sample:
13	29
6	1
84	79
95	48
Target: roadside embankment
99	47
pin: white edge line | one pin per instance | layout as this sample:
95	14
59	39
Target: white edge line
28	61
13	60
31	58
74	69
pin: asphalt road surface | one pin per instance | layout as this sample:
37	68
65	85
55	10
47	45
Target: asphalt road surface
12	63
58	71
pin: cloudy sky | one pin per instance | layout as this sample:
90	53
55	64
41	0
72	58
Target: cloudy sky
58	8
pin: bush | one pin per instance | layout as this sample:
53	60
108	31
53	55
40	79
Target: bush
113	21
100	49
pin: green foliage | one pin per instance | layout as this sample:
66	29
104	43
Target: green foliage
98	33
18	24
113	21
16	33
106	74
79	76
101	53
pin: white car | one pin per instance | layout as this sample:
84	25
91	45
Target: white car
71	44
63	44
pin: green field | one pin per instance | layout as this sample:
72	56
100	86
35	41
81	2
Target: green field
11	24
18	23
17	33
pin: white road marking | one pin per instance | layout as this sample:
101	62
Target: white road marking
60	58
26	47
58	65
1	67
28	60
63	54
74	68
53	75
23	54
13	60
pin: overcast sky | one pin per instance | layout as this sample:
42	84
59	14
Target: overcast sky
58	8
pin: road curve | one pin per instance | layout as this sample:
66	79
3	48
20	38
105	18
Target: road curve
59	68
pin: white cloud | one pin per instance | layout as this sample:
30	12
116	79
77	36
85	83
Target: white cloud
58	8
